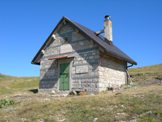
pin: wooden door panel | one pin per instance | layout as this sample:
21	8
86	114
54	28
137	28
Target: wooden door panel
64	76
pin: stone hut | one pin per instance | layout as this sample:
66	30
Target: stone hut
76	58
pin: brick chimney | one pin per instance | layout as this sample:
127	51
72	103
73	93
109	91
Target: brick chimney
108	28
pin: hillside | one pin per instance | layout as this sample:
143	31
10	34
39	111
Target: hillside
10	84
146	75
139	102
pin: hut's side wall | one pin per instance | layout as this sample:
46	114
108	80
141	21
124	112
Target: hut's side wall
112	73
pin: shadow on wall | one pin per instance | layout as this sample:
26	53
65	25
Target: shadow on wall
113	63
49	77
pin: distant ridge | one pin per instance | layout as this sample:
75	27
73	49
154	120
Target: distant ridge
4	75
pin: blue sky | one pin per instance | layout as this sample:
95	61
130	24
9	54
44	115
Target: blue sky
25	25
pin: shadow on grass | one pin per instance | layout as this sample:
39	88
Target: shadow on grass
34	91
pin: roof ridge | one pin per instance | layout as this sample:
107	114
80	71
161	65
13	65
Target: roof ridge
111	49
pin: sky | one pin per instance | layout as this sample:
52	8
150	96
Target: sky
26	24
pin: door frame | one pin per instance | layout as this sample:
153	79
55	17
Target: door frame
61	61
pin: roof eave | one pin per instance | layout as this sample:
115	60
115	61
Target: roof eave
36	63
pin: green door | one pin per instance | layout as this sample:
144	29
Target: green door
64	77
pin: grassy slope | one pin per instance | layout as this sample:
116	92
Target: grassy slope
142	103
154	69
107	107
146	75
9	84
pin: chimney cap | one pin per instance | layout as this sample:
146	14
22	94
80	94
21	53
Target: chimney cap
107	17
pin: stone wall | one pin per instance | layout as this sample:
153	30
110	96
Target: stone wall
83	71
112	73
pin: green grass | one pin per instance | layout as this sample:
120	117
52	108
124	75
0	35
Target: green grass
9	84
146	74
6	102
142	103
154	69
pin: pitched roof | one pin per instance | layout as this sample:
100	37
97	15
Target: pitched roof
111	49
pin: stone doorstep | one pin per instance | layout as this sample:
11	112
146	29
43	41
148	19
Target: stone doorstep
53	92
60	93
